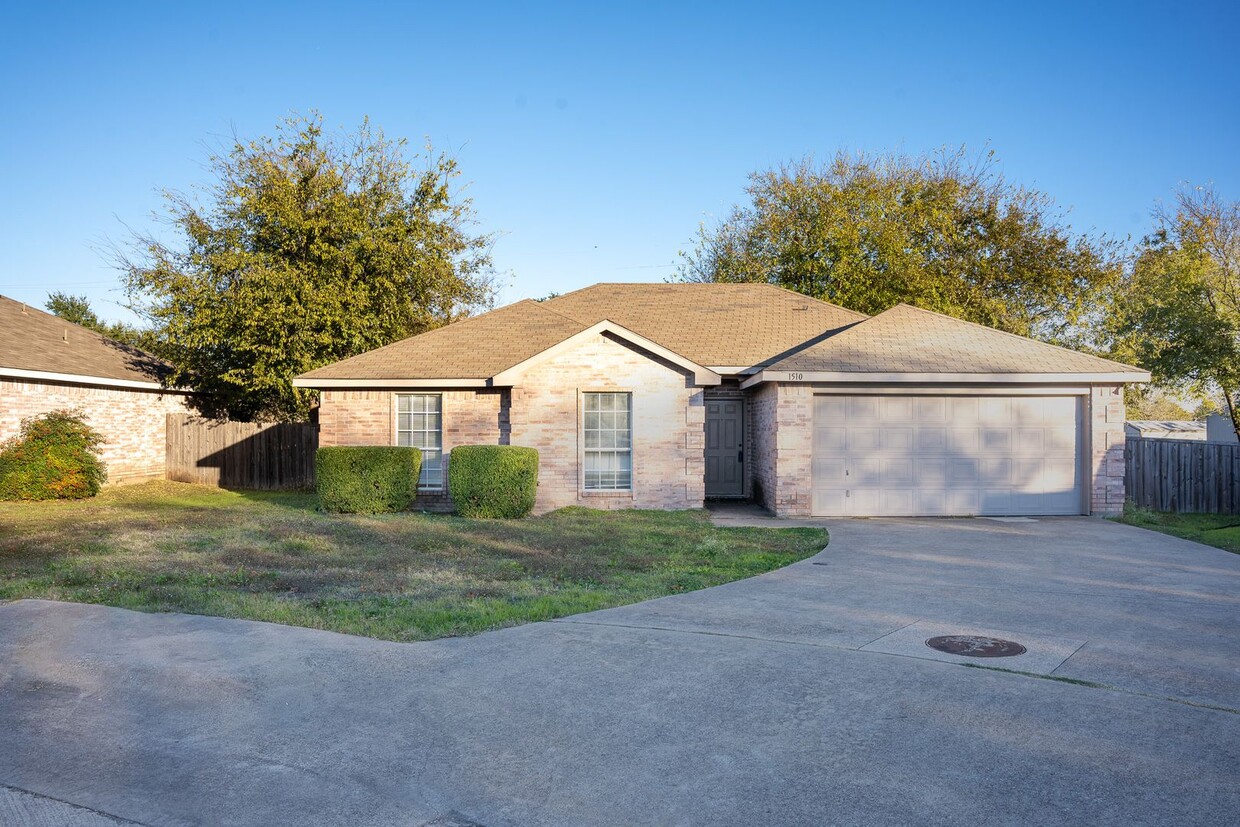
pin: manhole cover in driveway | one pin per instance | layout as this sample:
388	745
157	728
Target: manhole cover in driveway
976	646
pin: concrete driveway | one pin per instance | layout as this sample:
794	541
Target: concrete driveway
805	696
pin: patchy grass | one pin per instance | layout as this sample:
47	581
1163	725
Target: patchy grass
273	556
1218	530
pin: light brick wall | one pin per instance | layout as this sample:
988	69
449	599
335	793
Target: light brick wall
793	422
1106	461
133	423
368	417
669	419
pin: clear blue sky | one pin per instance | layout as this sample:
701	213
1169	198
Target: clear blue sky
597	138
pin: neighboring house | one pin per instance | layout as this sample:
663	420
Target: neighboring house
1165	429
47	363
664	395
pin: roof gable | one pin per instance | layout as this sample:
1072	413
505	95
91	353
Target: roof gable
907	339
718	325
35	344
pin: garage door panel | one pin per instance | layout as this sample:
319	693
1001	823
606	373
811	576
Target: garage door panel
930	409
897	439
863	440
947	455
830	439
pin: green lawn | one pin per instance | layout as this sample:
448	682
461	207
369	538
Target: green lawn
1219	530
272	556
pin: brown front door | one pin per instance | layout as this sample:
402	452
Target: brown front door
725	443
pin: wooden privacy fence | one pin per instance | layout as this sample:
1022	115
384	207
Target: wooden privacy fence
1186	476
241	454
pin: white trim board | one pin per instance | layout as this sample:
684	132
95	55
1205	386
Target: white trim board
79	379
385	384
803	377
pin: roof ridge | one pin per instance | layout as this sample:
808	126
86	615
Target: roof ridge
1006	333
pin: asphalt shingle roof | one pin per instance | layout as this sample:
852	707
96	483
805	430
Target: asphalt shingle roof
33	340
906	339
475	348
710	324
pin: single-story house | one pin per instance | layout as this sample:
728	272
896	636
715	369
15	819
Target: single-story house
1165	429
47	363
665	395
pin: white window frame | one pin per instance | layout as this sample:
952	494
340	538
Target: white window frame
614	449
413	441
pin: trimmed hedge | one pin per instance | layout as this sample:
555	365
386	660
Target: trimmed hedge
366	479
53	456
493	481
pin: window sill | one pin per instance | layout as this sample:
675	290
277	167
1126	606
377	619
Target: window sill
614	494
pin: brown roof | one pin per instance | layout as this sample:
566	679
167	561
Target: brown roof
714	325
31	340
710	324
906	339
475	348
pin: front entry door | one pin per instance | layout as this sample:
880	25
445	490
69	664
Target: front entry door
725	443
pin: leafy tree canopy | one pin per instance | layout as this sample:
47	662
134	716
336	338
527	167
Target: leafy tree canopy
1177	312
307	247
941	232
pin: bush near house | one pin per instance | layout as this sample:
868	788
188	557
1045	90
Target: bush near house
53	456
493	481
367	479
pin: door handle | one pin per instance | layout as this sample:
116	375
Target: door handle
740	455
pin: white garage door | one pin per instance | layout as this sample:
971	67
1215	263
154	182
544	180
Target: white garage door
946	455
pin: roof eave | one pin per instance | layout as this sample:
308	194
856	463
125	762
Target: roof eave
803	376
326	384
83	379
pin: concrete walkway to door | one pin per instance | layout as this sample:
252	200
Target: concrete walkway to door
796	697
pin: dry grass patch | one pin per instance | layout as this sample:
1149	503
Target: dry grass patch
274	556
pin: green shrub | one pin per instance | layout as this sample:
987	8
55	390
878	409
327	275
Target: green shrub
367	479
496	481
53	456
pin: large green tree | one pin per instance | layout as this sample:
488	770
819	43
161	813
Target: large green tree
306	247
1177	313
944	232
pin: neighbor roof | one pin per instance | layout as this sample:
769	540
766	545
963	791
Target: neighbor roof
733	325
34	344
906	339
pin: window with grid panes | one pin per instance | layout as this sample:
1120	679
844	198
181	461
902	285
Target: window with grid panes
419	423
608	439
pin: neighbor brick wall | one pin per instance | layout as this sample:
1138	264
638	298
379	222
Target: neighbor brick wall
133	422
669	419
1106	461
368	417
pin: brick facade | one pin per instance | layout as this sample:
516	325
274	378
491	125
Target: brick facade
1106	449
132	422
543	412
669	420
368	417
